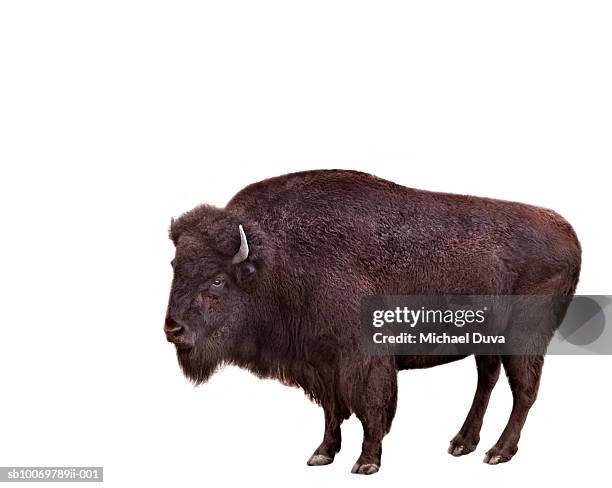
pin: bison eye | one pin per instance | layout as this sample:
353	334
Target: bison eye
217	286
217	283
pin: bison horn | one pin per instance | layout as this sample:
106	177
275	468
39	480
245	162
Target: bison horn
243	252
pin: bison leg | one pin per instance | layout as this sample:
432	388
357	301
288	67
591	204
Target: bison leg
332	439
524	377
378	394
469	435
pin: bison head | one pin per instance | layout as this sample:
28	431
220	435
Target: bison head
217	261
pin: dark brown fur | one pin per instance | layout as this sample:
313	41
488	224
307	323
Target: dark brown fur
320	241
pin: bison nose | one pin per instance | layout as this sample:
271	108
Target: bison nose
173	330
178	333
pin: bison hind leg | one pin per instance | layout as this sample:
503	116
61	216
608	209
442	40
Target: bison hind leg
524	374
468	436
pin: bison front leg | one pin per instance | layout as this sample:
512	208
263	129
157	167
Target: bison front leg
332	438
375	410
469	435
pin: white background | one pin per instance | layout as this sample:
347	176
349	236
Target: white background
117	115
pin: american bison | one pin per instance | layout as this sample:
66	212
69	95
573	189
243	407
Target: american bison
273	282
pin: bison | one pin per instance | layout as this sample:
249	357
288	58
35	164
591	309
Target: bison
273	282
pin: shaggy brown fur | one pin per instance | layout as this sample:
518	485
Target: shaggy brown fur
321	240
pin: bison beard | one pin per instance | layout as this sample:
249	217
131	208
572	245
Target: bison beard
199	364
273	283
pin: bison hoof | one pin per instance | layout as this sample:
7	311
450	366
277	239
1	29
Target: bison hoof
457	449
319	460
493	456
365	468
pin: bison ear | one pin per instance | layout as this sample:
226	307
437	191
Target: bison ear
245	273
